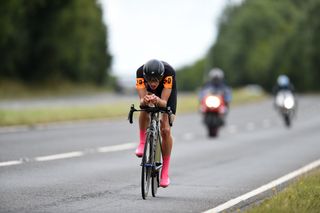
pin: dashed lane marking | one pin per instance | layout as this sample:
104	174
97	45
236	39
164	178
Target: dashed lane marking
266	123
105	149
188	136
10	163
59	156
116	148
250	126
232	129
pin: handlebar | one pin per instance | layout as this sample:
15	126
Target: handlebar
150	110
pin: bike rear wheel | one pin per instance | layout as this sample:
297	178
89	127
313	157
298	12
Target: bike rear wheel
155	183
146	170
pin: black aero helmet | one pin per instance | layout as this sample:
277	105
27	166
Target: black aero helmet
153	70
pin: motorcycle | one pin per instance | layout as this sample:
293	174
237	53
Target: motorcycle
213	108
286	104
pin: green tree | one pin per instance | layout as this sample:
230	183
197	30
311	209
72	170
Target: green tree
190	77
302	60
258	40
13	38
250	37
58	40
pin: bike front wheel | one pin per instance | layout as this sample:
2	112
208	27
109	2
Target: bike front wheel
155	182
146	168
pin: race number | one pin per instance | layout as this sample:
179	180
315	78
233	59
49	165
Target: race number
140	83
167	83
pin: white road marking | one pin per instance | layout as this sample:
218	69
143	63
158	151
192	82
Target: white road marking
104	149
115	148
232	129
188	136
250	126
266	123
264	188
10	163
59	156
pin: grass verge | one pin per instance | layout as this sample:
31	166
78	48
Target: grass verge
303	196
13	90
9	117
186	103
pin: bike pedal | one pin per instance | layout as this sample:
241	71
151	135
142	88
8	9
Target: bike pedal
158	166
158	163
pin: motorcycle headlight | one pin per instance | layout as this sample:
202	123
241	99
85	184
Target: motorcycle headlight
213	102
288	103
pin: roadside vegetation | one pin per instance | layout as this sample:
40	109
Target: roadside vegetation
259	40
302	196
30	116
35	48
13	90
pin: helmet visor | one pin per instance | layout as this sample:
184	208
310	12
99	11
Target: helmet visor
152	78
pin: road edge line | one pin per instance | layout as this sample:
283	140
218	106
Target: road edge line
265	187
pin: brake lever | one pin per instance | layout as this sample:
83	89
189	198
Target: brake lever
130	115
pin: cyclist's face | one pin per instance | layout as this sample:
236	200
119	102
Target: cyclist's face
153	84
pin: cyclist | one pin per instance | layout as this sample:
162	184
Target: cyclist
156	84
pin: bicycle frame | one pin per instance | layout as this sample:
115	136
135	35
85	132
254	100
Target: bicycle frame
154	130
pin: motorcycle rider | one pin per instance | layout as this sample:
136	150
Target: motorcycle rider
216	82
156	84
283	83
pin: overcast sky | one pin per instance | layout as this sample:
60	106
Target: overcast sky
177	31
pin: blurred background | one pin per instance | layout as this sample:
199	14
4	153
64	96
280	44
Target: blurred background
51	48
48	42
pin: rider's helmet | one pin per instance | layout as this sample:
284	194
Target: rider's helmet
216	75
283	80
153	70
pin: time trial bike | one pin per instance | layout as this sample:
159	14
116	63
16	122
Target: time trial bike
151	162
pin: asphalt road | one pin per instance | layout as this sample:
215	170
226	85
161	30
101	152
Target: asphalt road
81	167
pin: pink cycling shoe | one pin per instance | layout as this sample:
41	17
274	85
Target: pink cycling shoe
164	182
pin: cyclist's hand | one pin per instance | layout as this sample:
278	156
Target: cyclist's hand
154	99
149	99
146	100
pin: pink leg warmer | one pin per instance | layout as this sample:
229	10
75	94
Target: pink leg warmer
139	150
142	136
165	181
